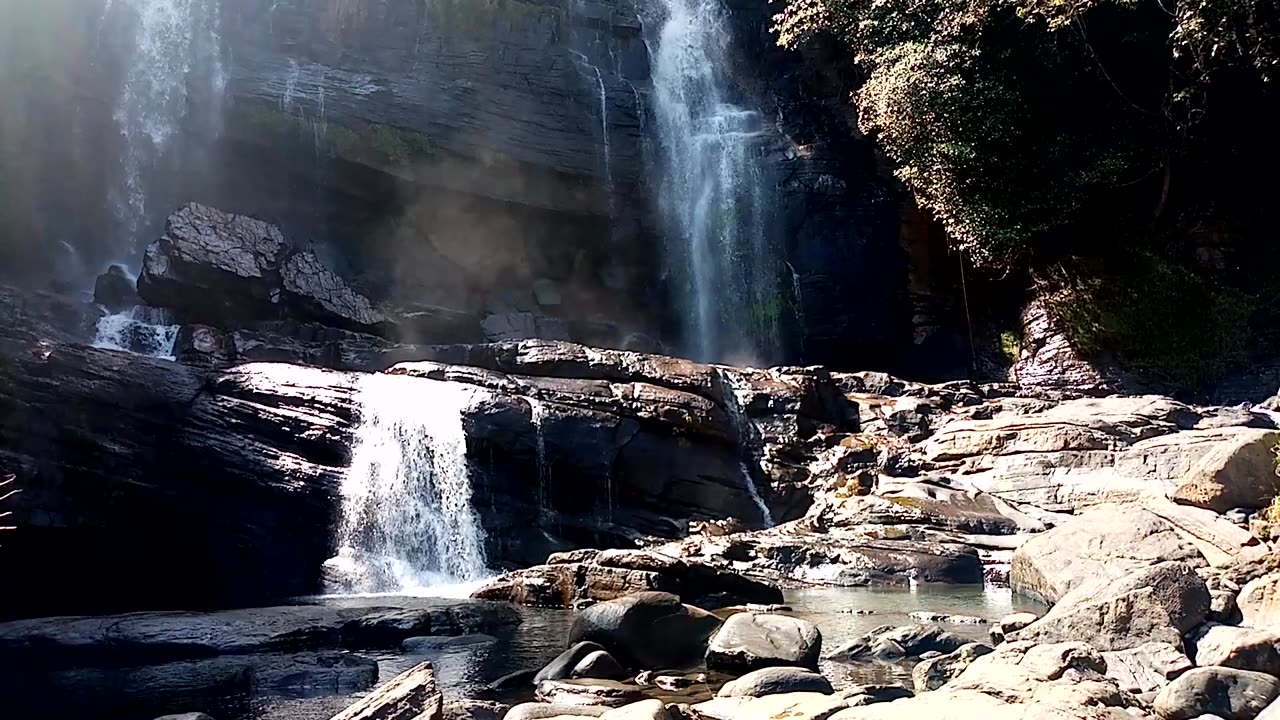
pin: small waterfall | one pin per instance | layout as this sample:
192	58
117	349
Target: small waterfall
720	252
141	330
748	440
176	51
407	523
537	415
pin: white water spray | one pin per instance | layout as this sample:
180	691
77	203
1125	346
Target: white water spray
141	330
720	247
176	43
407	522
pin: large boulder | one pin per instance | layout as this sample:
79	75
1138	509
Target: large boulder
1225	692
115	290
776	680
935	672
1147	667
1157	603
750	641
647	629
1112	540
1236	473
1259	602
1243	648
225	270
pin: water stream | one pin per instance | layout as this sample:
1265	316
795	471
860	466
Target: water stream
720	253
407	525
141	330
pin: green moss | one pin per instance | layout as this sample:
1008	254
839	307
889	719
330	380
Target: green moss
368	143
1011	346
1152	315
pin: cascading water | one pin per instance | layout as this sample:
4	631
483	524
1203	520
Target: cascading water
407	523
720	250
141	330
748	440
175	64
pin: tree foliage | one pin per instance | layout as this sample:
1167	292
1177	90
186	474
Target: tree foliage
1014	119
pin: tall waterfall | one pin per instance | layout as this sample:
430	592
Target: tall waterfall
175	65
720	250
407	524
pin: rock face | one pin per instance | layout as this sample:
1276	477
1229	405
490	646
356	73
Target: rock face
1259	602
646	630
1227	693
750	641
1147	667
611	574
1157	603
1235	474
1236	647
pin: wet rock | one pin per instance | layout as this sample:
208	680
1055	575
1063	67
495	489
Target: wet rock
889	642
425	644
776	680
599	665
542	711
922	616
1158	603
411	695
1226	692
563	666
1242	648
1235	474
750	641
1259	602
934	673
648	629
1011	623
186	716
587	692
115	290
614	573
1147	667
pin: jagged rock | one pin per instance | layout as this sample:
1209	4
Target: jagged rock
750	641
614	573
1113	540
1011	623
599	665
933	673
1147	667
1228	693
776	680
1242	648
889	642
1239	473
1158	603
411	695
563	666
115	290
648	629
587	692
1259	602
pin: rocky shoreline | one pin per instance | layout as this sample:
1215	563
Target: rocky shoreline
702	491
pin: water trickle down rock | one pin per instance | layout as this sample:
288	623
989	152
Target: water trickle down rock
407	522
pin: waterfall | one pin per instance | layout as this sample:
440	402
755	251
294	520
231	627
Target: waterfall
407	525
140	329
748	439
720	253
175	64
